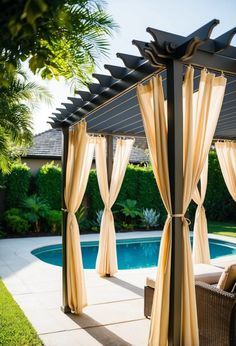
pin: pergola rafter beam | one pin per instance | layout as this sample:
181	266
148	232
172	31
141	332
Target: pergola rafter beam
197	49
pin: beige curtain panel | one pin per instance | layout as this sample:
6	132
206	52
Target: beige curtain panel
226	152
80	156
106	263
151	102
200	117
201	251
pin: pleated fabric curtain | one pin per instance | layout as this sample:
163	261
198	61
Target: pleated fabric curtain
106	263
201	251
226	152
200	118
80	156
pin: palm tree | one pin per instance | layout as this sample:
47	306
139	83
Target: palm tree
59	38
17	100
36	209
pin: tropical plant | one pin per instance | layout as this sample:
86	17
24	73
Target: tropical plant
95	224
17	100
15	221
59	38
129	208
130	211
81	218
35	209
53	219
150	218
99	214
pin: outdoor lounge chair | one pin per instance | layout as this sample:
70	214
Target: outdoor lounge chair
216	310
202	272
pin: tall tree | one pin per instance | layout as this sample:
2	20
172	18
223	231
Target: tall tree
58	37
17	99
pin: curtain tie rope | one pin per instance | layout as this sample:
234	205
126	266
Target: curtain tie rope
67	211
176	215
180	215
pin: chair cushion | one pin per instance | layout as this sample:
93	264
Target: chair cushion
202	272
150	282
207	273
228	278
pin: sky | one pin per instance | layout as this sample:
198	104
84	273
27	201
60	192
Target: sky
133	17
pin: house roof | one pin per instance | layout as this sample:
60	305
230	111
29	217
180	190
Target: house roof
111	106
48	144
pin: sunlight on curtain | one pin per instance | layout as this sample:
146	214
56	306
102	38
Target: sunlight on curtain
107	260
226	152
201	251
200	119
80	156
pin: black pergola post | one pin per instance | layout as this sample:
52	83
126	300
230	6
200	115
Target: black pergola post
109	139
109	158
65	308
175	161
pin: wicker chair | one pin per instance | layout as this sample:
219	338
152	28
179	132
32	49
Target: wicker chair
216	314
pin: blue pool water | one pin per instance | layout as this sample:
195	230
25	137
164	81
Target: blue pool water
131	253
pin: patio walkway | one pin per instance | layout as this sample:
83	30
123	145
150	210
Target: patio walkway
115	312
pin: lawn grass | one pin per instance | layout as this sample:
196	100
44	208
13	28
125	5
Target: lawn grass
15	329
222	228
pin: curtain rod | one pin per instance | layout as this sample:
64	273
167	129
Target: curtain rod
127	135
223	140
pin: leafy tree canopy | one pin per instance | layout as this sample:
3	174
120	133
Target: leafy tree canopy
59	37
17	99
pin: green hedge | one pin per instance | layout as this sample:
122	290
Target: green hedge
48	185
94	201
139	184
17	185
219	204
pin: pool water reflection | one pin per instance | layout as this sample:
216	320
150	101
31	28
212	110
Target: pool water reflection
131	253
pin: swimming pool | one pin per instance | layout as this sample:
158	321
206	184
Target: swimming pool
131	253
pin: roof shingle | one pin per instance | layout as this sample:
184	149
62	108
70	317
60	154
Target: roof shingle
48	144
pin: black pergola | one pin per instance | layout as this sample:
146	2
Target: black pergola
110	107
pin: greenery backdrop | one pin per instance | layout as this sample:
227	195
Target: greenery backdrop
139	185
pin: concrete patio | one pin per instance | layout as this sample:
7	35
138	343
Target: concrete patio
114	315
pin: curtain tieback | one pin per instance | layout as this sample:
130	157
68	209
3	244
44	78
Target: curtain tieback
180	215
176	215
67	211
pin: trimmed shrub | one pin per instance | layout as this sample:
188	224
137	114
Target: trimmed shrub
17	185
15	221
94	201
139	184
148	195
48	184
219	204
53	219
129	187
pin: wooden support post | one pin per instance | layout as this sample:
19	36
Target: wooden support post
65	308
175	160
109	162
